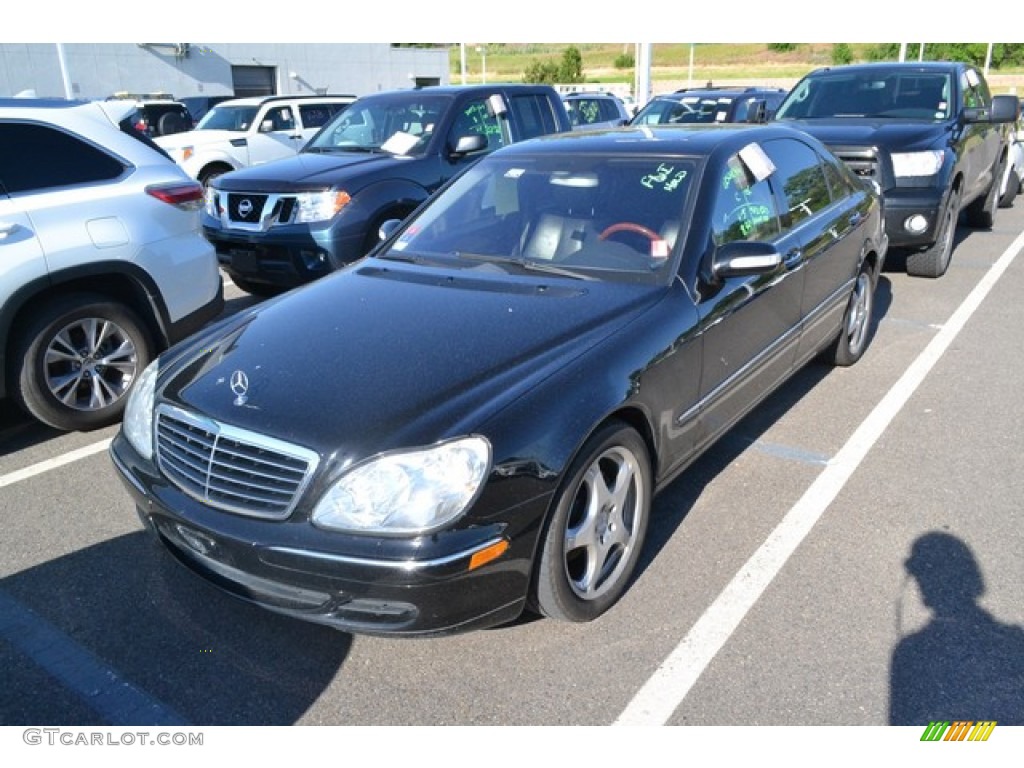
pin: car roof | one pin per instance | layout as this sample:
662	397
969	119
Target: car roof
457	89
732	89
114	109
590	95
885	66
695	140
255	101
716	93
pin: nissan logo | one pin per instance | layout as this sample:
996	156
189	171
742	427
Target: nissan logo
244	208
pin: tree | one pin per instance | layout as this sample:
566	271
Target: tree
571	70
547	72
841	54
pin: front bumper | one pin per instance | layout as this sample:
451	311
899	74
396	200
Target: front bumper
284	259
409	587
904	203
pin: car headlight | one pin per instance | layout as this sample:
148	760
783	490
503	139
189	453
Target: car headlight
137	424
312	207
906	164
407	492
212	203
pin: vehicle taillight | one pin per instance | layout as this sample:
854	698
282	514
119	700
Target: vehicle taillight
188	195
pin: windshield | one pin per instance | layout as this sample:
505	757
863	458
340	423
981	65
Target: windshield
873	94
222	118
615	217
688	109
401	125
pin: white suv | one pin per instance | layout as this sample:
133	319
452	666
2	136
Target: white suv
243	132
102	262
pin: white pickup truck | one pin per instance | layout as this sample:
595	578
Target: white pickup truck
243	132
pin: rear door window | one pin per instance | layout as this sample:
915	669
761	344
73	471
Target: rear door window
34	157
532	115
800	178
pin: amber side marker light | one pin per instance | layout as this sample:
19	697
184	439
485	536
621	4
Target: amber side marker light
487	554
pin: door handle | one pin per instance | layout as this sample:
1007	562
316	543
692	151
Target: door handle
7	228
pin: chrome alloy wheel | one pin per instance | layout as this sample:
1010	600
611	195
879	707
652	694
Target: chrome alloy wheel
859	315
90	364
604	523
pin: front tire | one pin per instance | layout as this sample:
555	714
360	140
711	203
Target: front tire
1012	190
211	172
78	359
934	260
594	536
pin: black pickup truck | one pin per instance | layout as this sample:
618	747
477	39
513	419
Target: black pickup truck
289	222
929	134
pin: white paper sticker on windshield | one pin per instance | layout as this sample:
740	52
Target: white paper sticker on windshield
400	143
972	78
757	162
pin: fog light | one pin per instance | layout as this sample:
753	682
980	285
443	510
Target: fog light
916	224
313	260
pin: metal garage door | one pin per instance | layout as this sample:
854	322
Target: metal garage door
254	81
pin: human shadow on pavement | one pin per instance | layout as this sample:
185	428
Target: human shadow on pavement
964	664
120	634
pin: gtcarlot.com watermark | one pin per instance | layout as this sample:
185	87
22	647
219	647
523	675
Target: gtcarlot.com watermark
69	737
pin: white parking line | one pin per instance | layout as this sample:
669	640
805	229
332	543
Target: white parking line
45	466
662	694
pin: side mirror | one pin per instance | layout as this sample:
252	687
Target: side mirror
388	228
496	105
743	258
473	142
266	126
757	111
1005	109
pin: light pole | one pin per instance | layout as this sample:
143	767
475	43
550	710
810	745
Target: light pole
482	50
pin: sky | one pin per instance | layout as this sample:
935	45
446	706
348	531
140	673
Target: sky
741	21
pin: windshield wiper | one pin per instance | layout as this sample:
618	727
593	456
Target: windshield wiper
341	148
525	264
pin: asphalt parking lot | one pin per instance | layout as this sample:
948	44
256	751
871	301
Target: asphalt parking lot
775	587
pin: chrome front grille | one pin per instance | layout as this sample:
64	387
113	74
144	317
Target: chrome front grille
254	211
230	468
863	162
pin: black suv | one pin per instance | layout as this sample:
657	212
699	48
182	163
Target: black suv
929	135
712	104
288	222
161	117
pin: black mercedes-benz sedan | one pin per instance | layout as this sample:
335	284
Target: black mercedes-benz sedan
472	421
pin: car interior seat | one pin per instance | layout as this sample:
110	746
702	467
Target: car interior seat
569	224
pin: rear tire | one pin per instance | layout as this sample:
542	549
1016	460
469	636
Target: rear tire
855	330
592	541
934	260
982	212
77	361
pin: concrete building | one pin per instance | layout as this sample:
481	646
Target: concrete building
98	70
